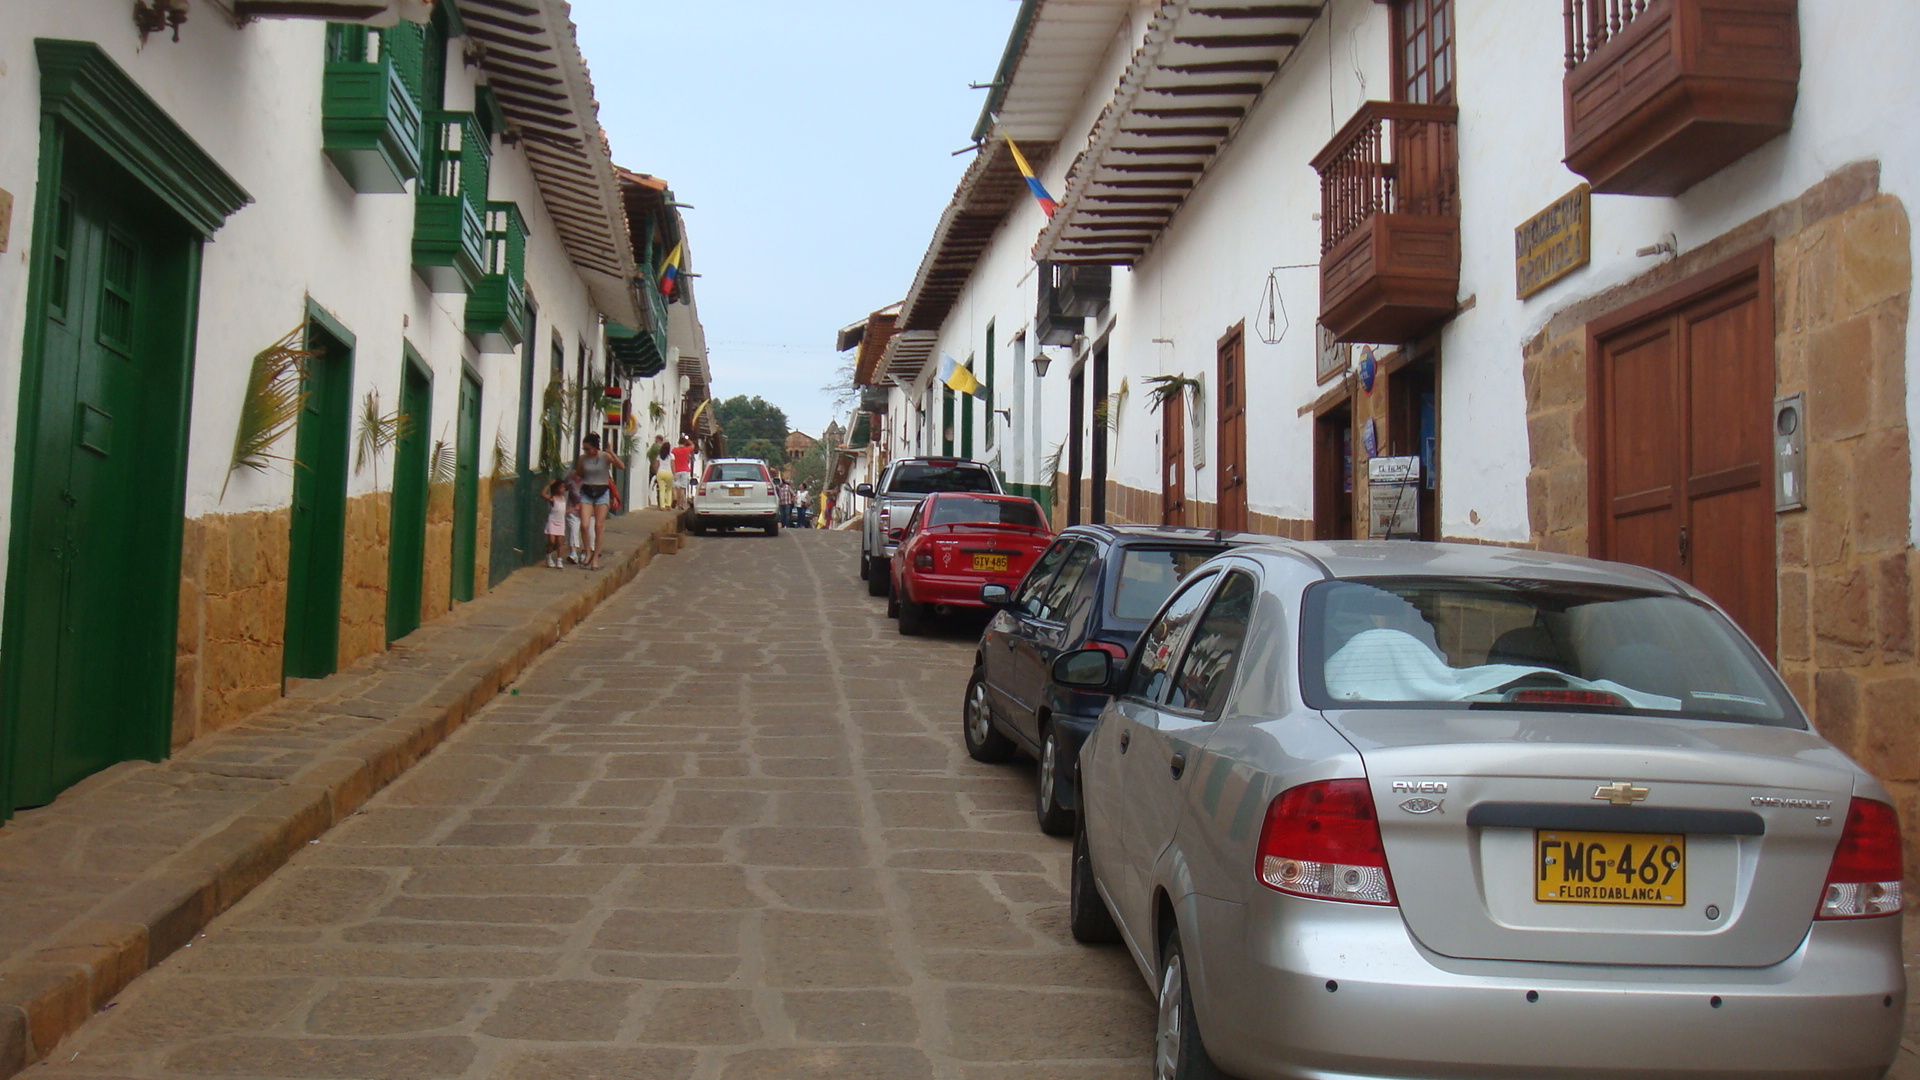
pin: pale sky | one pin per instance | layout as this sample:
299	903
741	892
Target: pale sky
814	142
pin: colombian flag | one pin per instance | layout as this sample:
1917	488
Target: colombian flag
670	271
1047	205
955	376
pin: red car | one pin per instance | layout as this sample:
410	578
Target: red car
956	542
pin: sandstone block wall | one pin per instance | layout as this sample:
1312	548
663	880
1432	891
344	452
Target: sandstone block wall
436	583
363	588
232	627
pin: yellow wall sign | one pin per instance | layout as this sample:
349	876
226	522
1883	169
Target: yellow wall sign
1553	243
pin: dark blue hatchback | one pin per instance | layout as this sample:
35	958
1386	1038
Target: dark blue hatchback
1096	587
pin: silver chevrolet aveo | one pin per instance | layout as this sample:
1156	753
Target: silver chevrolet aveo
1425	810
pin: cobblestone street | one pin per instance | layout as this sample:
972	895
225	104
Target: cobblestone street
725	829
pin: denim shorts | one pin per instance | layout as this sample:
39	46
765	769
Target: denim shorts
596	494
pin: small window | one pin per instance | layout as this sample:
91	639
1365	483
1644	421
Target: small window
1147	576
1159	644
966	511
1058	599
1027	600
724	471
1206	671
1423	54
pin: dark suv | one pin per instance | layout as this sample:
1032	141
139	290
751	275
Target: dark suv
1096	587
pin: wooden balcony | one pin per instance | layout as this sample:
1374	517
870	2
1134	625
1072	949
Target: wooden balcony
497	306
449	237
1390	223
370	125
1661	94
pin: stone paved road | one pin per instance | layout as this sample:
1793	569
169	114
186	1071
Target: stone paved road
725	830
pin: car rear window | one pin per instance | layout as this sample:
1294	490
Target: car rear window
1530	645
1146	577
925	478
952	511
736	470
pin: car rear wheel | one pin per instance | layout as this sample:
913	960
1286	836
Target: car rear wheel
1087	914
912	616
1178	1053
1055	820
893	606
984	743
864	562
877	573
773	529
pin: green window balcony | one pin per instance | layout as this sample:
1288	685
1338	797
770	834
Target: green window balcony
497	306
449	247
370	122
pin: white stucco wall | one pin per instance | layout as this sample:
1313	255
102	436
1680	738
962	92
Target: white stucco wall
251	98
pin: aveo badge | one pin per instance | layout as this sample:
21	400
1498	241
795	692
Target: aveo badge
1420	804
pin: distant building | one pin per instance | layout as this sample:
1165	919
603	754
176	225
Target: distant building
799	442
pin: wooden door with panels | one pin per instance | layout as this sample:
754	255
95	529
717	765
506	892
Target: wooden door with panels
1173	461
1231	476
1681	396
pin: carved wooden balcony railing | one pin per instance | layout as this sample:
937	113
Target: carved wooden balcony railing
1390	222
1661	94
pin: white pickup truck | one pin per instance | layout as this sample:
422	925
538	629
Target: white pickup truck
891	503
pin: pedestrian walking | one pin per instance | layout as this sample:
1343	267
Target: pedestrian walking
682	457
595	468
556	495
786	502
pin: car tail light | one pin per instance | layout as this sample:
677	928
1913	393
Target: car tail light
1864	879
885	515
703	491
924	560
1323	840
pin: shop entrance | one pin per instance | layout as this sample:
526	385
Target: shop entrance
1333	473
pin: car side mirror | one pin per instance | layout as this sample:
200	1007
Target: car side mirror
1093	670
865	491
895	534
996	595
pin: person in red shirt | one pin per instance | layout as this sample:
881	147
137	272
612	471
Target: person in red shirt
682	471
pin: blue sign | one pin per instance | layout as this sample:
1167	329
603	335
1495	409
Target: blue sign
1367	369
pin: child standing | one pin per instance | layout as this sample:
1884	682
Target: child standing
571	485
556	497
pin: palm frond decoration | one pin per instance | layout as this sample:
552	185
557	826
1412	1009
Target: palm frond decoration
502	457
1105	415
440	467
1162	389
656	410
557	421
375	433
276	392
1051	466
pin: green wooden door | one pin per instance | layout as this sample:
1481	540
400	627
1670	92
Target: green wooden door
466	489
317	545
92	601
407	546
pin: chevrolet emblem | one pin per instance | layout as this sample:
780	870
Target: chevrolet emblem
1621	793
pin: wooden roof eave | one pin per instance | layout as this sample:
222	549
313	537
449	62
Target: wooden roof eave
565	148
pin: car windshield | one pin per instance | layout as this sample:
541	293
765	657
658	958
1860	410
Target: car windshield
925	478
1147	576
1505	644
965	511
736	470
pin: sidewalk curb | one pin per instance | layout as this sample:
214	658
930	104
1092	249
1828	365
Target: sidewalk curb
47	995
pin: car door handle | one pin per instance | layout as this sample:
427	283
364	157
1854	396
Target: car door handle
1126	740
1178	765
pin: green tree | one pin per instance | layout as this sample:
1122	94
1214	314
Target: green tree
765	449
811	469
745	419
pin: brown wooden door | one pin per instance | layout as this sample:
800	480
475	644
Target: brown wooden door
1333	475
1684	483
1173	462
1232	473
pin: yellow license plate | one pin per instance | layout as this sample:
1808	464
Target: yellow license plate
992	563
1609	868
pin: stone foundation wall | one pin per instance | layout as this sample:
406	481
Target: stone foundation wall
1845	565
232	629
436	581
363	589
1137	506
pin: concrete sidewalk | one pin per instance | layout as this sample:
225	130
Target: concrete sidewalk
126	867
